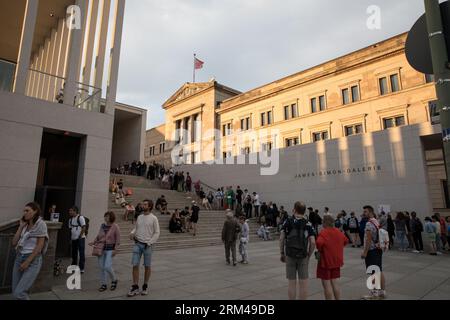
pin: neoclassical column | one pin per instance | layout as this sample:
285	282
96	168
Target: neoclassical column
74	58
185	131
192	133
111	90
26	44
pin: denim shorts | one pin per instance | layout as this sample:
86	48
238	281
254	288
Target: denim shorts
297	268
140	249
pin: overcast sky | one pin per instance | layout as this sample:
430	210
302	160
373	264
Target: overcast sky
244	43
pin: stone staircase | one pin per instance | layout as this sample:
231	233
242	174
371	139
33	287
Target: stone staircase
209	227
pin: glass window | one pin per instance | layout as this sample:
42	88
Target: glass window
247	121
242	124
345	96
269	117
294	111
358	129
314	105
355	94
349	131
353	129
383	86
399	121
395	85
317	136
388	123
322	103
263	119
296	141
429	78
286	113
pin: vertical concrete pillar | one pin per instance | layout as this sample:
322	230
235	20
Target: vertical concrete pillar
101	44
39	77
111	90
50	66
26	44
53	88
44	69
74	58
89	48
62	58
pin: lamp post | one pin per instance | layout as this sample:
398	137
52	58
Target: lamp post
441	70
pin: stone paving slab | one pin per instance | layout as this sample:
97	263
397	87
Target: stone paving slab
201	273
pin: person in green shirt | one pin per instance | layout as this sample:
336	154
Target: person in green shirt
230	198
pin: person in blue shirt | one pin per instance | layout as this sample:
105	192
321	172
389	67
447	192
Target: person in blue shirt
362	228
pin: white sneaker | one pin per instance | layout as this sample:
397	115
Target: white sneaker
415	251
439	253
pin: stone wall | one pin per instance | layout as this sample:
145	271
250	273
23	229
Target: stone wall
386	167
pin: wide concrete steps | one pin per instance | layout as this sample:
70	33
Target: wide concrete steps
197	241
136	182
209	228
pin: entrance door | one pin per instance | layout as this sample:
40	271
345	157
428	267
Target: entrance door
57	181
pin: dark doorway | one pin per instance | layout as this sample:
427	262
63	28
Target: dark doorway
57	181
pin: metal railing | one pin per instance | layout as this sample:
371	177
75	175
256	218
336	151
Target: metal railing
7	255
45	86
88	97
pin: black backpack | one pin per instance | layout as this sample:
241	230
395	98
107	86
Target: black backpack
296	242
87	224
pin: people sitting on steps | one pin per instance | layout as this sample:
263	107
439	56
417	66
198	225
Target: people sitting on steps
175	224
161	205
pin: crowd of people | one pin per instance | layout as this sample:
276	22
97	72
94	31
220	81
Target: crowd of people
303	233
136	168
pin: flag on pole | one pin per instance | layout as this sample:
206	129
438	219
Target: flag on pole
198	64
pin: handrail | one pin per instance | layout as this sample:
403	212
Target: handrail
90	97
48	74
208	186
9	224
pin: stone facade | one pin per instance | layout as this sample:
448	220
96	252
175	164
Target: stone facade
155	146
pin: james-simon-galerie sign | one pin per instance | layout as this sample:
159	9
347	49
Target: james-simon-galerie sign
332	172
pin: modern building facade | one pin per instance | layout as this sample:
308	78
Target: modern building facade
59	63
315	116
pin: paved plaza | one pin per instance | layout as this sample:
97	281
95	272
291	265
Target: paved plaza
201	273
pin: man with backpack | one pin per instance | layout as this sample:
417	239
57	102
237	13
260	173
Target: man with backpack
297	244
78	226
353	227
374	246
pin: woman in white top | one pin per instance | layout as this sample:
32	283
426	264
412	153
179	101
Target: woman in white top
31	242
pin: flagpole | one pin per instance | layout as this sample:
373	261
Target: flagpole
194	71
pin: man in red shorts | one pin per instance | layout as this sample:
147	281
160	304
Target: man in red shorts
330	245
